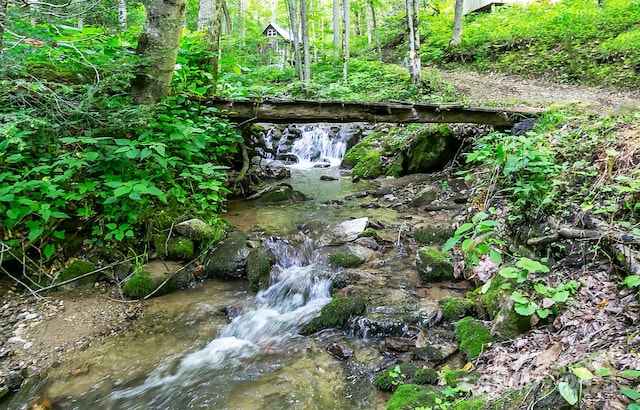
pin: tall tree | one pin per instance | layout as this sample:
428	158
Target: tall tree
415	65
293	19
210	23
346	22
375	30
122	14
158	49
336	29
457	24
304	25
4	4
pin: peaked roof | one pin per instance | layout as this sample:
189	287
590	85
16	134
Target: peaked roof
283	32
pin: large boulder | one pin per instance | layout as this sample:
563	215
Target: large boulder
369	166
279	194
433	265
227	259
78	272
198	230
258	266
431	148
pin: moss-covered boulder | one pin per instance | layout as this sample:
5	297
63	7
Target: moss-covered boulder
496	294
199	230
258	266
175	248
394	166
425	196
432	235
227	259
397	375
508	324
454	308
370	233
455	378
412	396
426	375
358	151
141	284
77	269
431	148
281	194
369	166
335	314
428	354
433	265
345	260
473	337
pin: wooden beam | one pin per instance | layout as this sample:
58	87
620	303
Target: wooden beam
306	111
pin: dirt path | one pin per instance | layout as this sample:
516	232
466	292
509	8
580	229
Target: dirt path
500	89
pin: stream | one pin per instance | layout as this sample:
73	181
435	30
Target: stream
185	354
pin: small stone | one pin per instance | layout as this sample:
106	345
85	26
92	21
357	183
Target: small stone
14	381
16	340
340	352
27	345
32	316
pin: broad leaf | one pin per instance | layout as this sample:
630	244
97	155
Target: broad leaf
630	373
525	309
630	393
531	265
568	393
583	373
450	243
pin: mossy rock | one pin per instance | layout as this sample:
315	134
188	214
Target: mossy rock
282	194
76	269
473	337
386	382
431	148
227	260
335	314
454	308
370	233
199	230
426	375
427	353
432	235
433	265
369	166
394	167
60	73
495	295
345	260
507	323
258	266
454	378
412	396
140	284
176	248
358	151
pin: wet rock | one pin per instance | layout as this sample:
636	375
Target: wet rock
322	165
431	148
175	248
340	352
335	314
345	260
4	391
258	266
397	344
508	324
347	231
227	259
433	265
77	270
367	242
328	178
14	381
280	194
425	197
197	230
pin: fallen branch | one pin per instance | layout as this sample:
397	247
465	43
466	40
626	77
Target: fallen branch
585	234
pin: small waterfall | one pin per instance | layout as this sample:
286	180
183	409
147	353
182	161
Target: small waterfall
300	287
316	144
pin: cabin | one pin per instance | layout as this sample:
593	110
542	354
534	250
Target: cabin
280	41
473	6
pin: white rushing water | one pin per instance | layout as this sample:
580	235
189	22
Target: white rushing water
299	290
316	145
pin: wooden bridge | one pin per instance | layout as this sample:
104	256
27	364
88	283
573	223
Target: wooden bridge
307	111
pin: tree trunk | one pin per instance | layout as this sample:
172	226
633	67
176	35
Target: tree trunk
210	22
414	41
4	4
304	20
293	18
336	29
122	14
157	49
375	30
346	21
274	10
242	26
457	24
228	26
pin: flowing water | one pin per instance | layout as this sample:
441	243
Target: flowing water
186	356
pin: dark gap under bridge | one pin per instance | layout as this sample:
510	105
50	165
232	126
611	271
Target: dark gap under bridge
309	111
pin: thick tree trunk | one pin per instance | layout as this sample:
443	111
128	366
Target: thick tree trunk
228	24
304	20
346	22
293	18
122	14
336	29
4	4
415	65
457	24
210	22
157	49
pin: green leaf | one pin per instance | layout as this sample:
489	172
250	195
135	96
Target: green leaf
568	393
632	281
59	234
519	297
509	272
486	225
583	373
463	228
466	244
48	251
483	248
561	296
603	371
91	156
123	190
630	373
630	393
450	243
495	256
633	406
35	230
486	287
543	313
541	289
531	265
525	309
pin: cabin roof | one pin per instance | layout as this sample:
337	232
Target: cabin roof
283	32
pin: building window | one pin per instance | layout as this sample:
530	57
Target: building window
271	32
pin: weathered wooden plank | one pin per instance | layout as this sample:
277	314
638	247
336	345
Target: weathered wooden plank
306	111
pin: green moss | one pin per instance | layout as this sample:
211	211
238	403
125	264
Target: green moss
395	167
472	336
397	139
427	353
345	260
77	269
429	148
369	166
370	233
411	396
426	375
455	377
174	248
433	265
455	307
258	269
492	298
141	284
335	314
472	403
355	153
431	235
